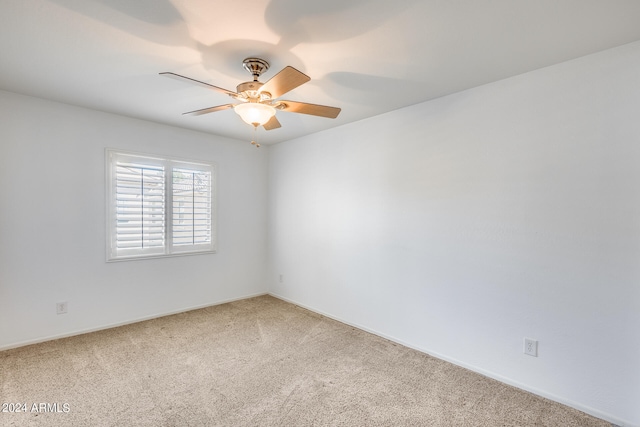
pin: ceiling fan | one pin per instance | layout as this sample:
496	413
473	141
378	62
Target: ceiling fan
258	101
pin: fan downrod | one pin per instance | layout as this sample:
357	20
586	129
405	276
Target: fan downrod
255	66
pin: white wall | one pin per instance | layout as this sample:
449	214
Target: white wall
462	225
52	223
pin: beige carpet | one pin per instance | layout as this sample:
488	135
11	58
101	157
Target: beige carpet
256	362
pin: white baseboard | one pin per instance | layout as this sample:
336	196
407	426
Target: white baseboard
586	409
127	322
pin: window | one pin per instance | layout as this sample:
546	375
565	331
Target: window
158	206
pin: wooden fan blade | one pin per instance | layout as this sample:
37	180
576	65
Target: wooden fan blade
207	85
273	123
209	110
287	79
312	109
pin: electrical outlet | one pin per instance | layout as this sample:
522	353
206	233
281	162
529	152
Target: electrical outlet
281	278
61	307
531	347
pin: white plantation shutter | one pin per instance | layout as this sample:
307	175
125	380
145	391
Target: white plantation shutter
139	206
158	207
191	220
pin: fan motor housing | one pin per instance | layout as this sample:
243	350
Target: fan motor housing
251	91
249	86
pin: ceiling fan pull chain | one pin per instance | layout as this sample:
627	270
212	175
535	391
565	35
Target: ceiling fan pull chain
254	141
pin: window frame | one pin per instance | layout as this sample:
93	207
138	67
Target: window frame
169	163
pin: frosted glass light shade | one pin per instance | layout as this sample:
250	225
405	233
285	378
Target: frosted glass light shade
254	112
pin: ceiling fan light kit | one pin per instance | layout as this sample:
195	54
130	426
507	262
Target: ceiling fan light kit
258	103
255	113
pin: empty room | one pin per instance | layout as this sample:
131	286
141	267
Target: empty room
310	213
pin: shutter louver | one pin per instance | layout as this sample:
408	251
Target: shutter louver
191	223
140	206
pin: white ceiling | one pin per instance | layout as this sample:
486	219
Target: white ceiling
364	56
